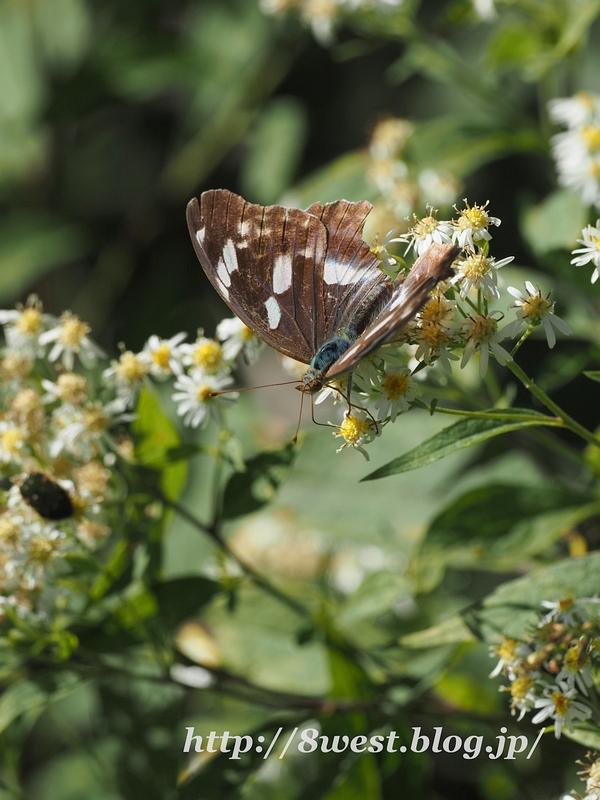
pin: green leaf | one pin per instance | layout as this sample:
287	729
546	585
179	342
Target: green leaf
514	45
450	631
156	438
593	375
466	433
250	490
182	597
482	515
586	734
515	605
30	697
556	223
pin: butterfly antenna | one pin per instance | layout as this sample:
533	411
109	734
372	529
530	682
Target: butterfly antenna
295	439
250	388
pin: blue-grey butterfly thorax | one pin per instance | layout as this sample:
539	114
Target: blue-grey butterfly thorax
353	323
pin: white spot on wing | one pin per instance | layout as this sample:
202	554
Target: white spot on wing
230	257
223	273
244	228
273	311
341	274
200	235
282	273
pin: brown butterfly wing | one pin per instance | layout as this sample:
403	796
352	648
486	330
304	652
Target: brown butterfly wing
350	273
264	262
433	266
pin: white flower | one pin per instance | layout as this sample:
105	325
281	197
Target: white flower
203	354
235	338
472	225
567	610
81	430
483	335
396	392
12	442
590	252
575	111
127	374
533	309
70	338
357	429
559	703
23	327
321	16
381	250
427	231
480	272
194	396
165	355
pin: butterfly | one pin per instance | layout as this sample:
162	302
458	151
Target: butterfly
305	282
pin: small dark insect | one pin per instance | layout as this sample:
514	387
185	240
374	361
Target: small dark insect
46	497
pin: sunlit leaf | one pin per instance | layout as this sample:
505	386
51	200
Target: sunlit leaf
466	433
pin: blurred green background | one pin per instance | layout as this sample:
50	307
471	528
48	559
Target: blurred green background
112	116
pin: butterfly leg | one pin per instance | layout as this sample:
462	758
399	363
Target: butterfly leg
349	391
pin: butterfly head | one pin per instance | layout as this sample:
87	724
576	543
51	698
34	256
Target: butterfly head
311	382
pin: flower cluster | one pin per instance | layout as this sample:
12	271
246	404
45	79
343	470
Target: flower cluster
576	151
402	192
200	369
323	16
56	454
553	672
63	434
454	325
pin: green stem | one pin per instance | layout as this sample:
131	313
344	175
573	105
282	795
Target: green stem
521	340
213	532
567	420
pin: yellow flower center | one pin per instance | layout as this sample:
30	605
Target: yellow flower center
161	356
73	331
29	321
395	386
246	334
482	329
561	703
92	477
424	226
433	335
203	393
475	267
71	388
475	217
12	440
591	136
208	356
436	309
508	650
26	402
95	420
131	368
575	659
535	307
595	170
14	366
9	531
41	549
354	428
566	603
520	687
